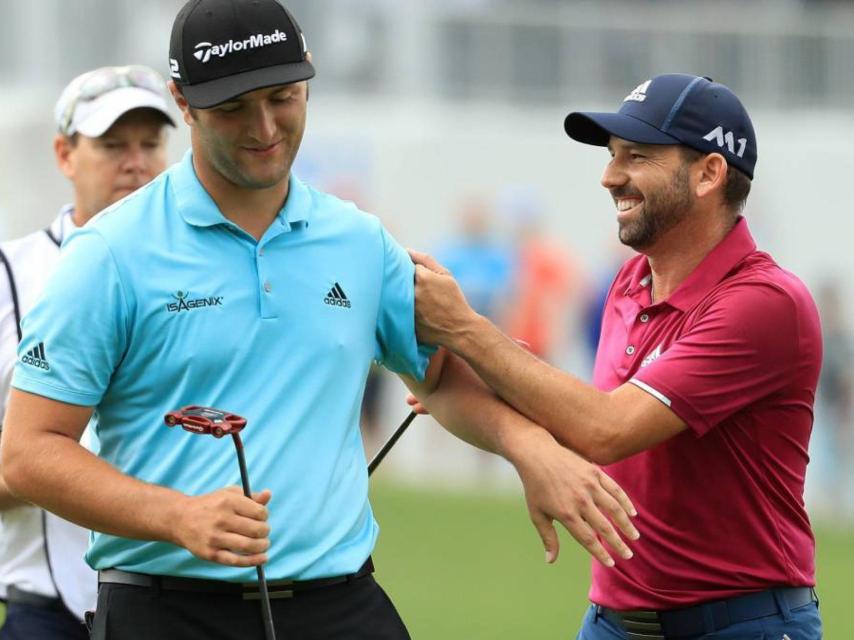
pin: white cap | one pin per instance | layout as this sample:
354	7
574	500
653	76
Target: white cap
77	112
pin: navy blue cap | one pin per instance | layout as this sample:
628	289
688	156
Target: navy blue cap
676	108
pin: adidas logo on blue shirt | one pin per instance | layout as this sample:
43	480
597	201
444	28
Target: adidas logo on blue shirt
36	357
336	297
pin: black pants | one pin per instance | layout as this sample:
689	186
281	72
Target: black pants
357	610
29	622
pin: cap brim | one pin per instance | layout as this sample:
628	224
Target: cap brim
93	119
209	94
597	129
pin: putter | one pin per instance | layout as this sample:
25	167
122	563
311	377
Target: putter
390	443
206	420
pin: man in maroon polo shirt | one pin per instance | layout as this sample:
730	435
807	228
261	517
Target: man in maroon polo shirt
705	378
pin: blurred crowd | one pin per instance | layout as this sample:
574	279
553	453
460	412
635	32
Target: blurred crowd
830	485
514	270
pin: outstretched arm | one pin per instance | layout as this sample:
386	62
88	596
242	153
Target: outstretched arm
603	427
559	485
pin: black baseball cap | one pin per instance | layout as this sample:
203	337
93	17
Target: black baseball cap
676	108
221	49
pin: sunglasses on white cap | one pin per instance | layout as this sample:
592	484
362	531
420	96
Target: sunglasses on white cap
97	83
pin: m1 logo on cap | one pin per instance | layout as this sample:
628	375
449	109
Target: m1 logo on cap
204	51
721	138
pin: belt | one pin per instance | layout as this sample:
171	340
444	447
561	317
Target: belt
14	595
247	590
708	617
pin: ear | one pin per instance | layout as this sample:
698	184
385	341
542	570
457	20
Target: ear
63	149
711	171
181	101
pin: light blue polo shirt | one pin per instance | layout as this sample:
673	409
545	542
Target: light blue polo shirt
161	302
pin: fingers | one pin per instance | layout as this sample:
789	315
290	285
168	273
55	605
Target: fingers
262	497
241	545
238	542
618	510
231	559
548	535
617	492
586	537
416	405
602	526
245	527
253	508
592	521
422	274
427	261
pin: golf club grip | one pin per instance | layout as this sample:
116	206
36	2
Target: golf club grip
267	613
388	445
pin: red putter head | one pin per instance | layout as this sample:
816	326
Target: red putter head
204	420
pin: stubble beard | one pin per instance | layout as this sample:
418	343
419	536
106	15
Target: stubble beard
230	169
225	161
661	211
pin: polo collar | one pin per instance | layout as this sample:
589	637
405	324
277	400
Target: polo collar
734	248
62	225
197	207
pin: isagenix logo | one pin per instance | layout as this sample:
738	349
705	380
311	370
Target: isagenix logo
204	51
183	303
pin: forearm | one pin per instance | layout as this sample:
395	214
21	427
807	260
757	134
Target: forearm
577	414
470	410
559	485
58	474
602	427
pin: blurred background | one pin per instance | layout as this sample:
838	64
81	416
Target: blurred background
445	118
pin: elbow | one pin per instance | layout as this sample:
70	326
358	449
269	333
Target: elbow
605	455
603	446
15	470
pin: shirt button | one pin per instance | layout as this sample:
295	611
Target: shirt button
644	317
260	252
268	287
630	350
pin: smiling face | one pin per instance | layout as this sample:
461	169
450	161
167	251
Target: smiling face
251	141
651	188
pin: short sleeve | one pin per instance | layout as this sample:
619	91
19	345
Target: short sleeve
397	348
742	349
76	334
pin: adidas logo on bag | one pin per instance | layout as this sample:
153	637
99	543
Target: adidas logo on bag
336	297
36	357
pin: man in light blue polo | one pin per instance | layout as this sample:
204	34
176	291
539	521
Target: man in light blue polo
228	282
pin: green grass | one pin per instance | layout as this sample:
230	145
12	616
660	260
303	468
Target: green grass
471	566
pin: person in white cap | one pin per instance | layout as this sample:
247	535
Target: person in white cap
111	141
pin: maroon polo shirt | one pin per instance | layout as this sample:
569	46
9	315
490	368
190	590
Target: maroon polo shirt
735	352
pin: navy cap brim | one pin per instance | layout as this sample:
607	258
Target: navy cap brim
209	94
597	129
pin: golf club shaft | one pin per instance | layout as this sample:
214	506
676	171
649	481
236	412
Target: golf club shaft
269	630
388	445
